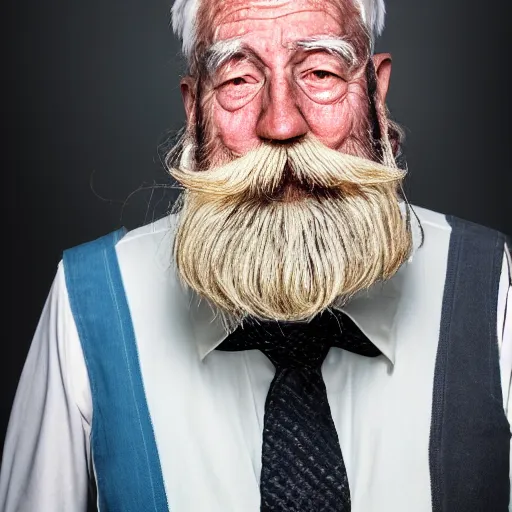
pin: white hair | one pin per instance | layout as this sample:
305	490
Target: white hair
335	45
184	13
221	51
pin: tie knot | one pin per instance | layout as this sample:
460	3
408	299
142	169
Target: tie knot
300	344
293	346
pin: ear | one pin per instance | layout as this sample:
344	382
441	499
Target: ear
382	64
188	94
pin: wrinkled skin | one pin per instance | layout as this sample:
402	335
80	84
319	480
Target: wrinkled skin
290	92
293	247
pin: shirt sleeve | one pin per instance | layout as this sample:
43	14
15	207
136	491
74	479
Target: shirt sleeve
46	462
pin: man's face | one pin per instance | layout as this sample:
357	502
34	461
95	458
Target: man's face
291	201
282	90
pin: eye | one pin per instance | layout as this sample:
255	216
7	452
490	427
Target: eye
239	80
322	74
321	77
322	86
237	91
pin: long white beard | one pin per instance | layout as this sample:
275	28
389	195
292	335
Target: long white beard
248	251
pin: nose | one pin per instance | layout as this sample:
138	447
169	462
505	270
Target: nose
281	119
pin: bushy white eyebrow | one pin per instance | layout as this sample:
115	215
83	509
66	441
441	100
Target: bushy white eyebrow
334	45
222	51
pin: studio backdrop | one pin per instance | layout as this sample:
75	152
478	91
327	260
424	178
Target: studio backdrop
91	94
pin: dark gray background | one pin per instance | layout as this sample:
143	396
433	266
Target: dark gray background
90	90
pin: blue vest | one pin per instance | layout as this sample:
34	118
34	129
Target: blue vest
470	434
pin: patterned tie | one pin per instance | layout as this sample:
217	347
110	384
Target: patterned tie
302	465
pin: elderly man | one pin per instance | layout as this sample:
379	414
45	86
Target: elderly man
295	336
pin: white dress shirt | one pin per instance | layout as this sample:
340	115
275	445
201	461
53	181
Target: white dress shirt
207	406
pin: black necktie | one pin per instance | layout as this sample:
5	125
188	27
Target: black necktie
302	465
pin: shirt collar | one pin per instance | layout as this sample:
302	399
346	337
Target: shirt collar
374	311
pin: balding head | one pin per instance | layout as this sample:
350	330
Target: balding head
185	12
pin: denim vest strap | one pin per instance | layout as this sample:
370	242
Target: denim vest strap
470	434
125	455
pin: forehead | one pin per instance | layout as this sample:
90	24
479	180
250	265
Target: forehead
285	19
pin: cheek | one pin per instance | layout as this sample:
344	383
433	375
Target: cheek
333	124
237	130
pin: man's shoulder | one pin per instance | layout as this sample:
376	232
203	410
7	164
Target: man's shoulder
148	234
144	250
147	250
438	233
443	222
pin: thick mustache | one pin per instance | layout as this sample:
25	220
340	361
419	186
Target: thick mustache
263	171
